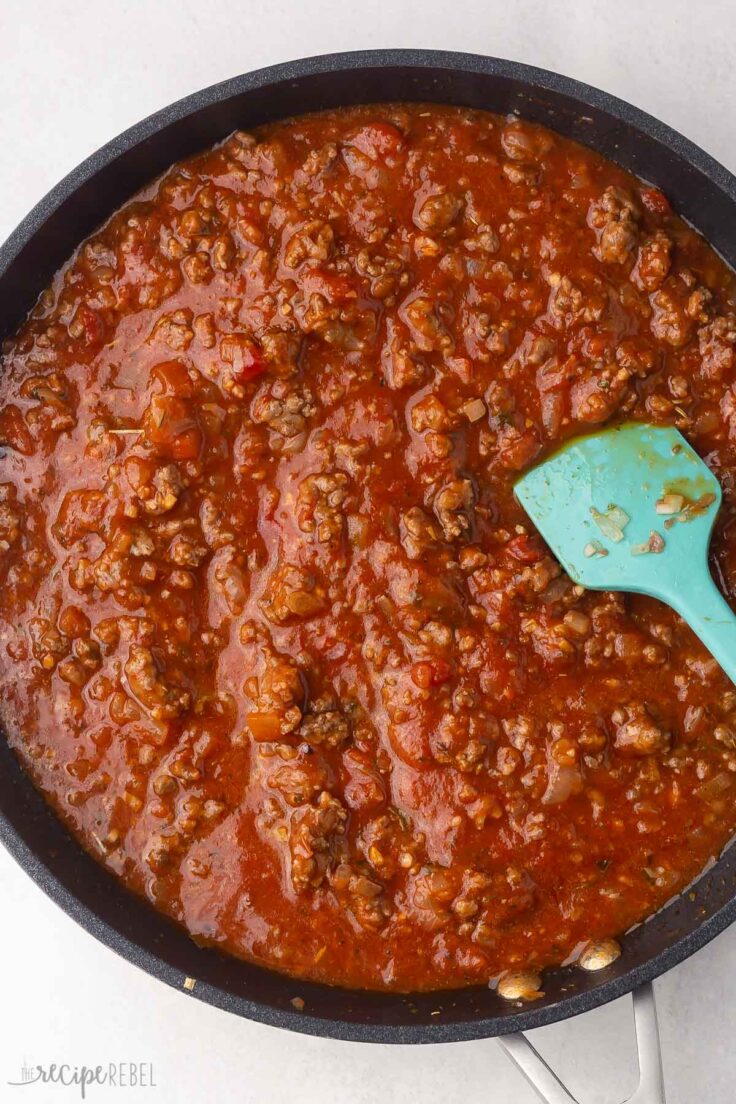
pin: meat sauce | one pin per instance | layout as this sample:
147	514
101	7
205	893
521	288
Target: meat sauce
276	641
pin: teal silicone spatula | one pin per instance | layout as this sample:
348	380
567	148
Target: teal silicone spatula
632	508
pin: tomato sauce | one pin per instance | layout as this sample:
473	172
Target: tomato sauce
276	640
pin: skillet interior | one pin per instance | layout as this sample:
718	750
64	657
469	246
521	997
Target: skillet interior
701	191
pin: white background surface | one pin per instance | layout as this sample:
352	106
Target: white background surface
72	75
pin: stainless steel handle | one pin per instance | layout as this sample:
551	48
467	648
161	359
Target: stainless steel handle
650	1089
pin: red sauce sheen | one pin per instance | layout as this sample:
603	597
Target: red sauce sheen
276	640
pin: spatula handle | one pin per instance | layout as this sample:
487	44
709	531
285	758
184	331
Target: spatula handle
709	615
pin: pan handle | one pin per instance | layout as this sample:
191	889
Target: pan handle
650	1089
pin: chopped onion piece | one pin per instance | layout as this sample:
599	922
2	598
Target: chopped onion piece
607	525
474	409
562	783
654	543
514	985
670	504
617	515
595	548
715	787
692	510
597	956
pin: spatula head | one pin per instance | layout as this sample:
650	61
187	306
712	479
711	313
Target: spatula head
628	508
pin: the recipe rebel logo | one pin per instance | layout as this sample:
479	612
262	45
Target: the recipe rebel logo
113	1075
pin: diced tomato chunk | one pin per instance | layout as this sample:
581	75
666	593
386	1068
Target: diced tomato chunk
656	202
378	140
186	445
525	548
93	329
14	431
253	364
173	377
169	424
431	673
264	726
245	357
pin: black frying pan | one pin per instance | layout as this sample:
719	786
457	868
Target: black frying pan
700	190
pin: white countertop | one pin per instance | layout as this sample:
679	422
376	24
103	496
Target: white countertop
74	73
